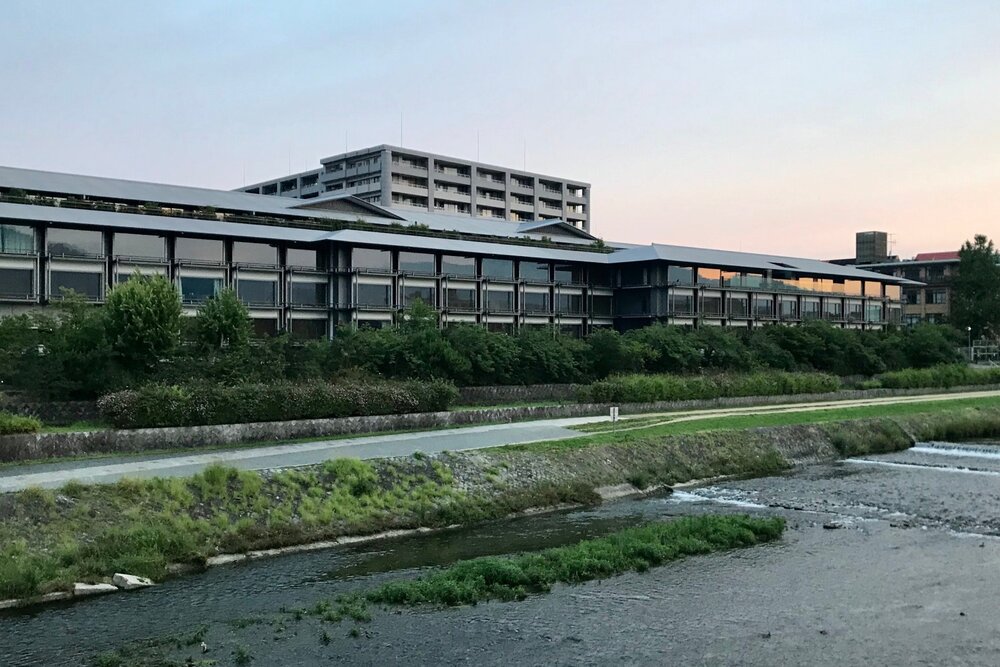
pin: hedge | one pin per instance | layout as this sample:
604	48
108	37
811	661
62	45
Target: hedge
649	388
944	376
158	405
10	423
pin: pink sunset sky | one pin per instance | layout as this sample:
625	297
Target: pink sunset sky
780	127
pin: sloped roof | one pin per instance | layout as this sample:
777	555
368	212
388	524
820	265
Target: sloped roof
935	256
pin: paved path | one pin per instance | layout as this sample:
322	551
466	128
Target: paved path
104	470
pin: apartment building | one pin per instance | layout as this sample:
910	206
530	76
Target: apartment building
404	178
311	266
928	294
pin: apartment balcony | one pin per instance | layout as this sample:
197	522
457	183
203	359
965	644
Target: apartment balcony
409	188
528	206
408	167
492	180
452	195
521	187
451	174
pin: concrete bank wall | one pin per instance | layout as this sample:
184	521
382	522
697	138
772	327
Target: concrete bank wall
26	447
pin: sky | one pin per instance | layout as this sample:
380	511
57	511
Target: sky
779	127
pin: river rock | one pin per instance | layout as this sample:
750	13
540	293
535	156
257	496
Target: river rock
80	590
836	524
129	582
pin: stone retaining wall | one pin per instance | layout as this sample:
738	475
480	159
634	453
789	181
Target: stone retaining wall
57	413
26	447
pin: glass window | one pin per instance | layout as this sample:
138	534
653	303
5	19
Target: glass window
574	330
75	242
712	277
763	306
502	269
892	292
739	306
374	324
536	302
711	305
810	309
571	304
632	276
731	279
255	253
374	295
139	245
599	276
17	239
411	293
833	309
196	290
855	311
257	292
417	262
680	275
535	271
499	302
199	250
873	288
600	304
681	304
372	259
789	309
304	258
455	265
568	273
912	296
309	294
17	283
937	296
634	302
500	327
264	327
86	284
753	280
309	328
873	311
462	298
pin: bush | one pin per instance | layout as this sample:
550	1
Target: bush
143	319
953	375
18	424
159	405
651	388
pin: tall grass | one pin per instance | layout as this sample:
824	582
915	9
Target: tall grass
651	388
10	423
633	549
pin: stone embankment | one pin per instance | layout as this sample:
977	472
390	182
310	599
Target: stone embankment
35	446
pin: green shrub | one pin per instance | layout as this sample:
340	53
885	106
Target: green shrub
157	405
652	388
18	424
952	375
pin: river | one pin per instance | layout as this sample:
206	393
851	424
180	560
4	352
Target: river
911	578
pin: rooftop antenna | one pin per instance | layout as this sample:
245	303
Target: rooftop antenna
400	128
289	160
477	145
524	156
244	174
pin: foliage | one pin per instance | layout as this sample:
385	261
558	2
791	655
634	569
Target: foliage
143	319
633	549
158	405
18	424
651	388
976	288
223	321
955	375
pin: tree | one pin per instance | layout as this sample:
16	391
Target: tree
976	288
143	317
223	322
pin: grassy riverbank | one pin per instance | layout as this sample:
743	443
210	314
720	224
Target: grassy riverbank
88	532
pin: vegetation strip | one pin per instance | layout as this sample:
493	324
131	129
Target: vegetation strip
633	549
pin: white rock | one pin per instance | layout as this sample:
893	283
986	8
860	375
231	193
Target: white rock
129	582
92	589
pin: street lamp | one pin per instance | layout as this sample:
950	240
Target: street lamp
969	331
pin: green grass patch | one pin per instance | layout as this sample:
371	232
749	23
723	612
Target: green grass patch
768	419
11	423
634	549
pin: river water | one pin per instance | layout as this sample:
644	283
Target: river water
912	578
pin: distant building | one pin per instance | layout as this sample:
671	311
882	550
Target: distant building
871	247
409	179
930	302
